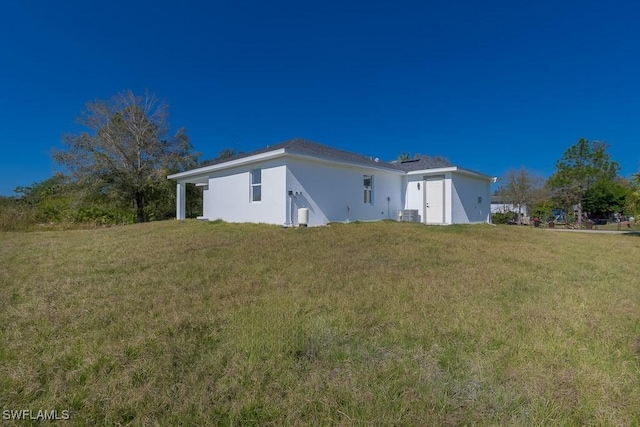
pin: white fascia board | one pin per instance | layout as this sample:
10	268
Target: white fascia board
345	163
434	171
452	169
475	174
199	172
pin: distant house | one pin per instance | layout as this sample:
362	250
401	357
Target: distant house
273	184
498	205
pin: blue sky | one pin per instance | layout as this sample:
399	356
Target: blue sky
490	85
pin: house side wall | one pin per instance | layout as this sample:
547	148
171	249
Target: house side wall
471	200
229	197
328	189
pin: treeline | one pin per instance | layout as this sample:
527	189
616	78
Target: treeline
115	171
61	202
586	185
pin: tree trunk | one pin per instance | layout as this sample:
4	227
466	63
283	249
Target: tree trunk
139	207
579	214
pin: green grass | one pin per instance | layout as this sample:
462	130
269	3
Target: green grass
371	323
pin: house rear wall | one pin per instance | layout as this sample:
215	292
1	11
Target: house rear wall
329	189
229	197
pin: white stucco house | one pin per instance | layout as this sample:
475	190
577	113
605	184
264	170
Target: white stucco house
272	184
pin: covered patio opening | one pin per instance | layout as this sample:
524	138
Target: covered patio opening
189	198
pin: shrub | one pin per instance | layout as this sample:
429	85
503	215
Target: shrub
503	217
16	216
103	215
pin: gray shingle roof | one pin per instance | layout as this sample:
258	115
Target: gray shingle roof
303	146
422	163
309	148
306	147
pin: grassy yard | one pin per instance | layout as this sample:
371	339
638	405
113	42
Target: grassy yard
352	324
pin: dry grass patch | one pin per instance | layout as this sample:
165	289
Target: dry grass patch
386	323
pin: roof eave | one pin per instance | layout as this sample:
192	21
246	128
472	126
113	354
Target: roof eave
455	169
226	165
381	167
433	171
195	173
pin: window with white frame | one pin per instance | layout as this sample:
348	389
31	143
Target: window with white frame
368	189
256	185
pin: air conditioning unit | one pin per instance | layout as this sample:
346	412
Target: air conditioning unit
409	215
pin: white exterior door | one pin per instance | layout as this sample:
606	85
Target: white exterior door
434	200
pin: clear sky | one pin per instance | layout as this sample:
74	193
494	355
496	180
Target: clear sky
491	85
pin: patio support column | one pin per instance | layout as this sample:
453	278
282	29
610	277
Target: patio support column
181	194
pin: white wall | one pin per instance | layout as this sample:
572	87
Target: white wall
449	203
228	197
414	195
465	206
327	189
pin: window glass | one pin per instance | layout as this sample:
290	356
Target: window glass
256	185
256	176
256	193
368	188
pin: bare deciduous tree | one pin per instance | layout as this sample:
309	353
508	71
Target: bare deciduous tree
127	149
521	188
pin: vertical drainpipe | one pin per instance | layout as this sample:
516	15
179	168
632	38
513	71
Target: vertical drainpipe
290	222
